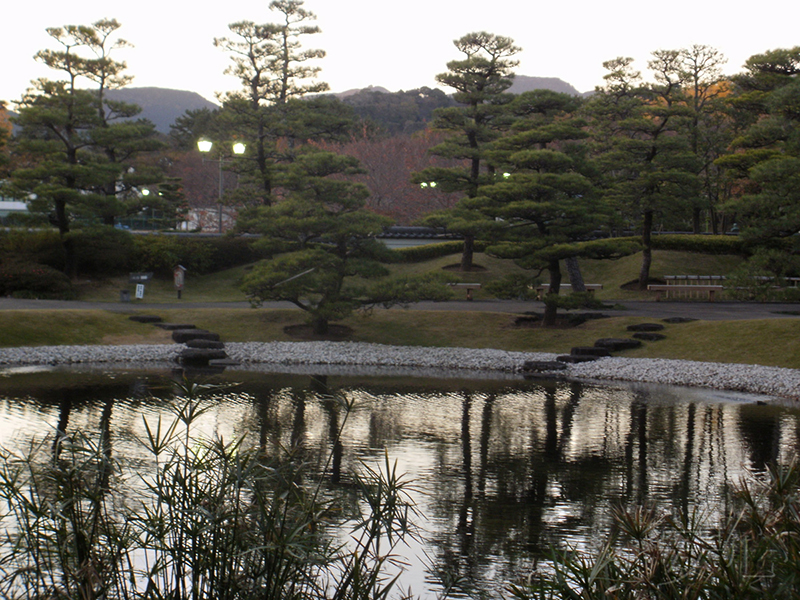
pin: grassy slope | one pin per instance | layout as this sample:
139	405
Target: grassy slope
734	341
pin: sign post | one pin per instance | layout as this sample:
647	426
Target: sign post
178	276
139	279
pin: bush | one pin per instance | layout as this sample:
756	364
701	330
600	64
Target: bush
702	244
42	247
24	279
752	554
415	254
103	251
202	255
211	519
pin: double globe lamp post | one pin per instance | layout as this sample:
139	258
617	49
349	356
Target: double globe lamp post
205	147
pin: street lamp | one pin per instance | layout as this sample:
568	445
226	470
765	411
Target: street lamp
205	147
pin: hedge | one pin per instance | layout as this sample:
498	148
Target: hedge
415	254
701	244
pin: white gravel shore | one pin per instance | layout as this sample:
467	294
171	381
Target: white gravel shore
755	379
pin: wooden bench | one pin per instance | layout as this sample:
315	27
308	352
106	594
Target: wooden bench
544	288
665	290
466	286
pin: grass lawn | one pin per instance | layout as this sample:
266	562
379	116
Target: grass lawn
719	341
767	342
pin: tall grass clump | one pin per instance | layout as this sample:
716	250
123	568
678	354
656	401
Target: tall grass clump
752	553
205	518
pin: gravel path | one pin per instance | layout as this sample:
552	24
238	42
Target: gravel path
770	381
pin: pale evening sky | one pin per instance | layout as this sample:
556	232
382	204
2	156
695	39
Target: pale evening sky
401	45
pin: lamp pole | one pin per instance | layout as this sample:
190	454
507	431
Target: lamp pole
205	147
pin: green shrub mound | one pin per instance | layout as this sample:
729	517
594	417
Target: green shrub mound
415	254
701	244
25	279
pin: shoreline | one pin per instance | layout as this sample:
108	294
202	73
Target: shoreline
426	361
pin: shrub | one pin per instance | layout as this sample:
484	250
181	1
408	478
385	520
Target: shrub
25	279
751	554
211	519
103	251
43	247
702	244
414	254
201	255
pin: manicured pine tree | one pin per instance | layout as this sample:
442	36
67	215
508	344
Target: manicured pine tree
543	201
322	238
480	80
766	160
642	148
79	160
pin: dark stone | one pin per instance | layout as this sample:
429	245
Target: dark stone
589	351
145	318
200	356
679	320
649	337
538	366
576	358
614	344
646	327
174	326
203	343
184	335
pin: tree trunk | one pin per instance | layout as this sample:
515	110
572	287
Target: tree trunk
574	274
551	298
467	253
320	325
647	249
696	213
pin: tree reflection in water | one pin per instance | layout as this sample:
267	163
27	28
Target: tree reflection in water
507	470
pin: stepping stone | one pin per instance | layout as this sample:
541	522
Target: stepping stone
174	326
679	320
589	351
145	318
200	356
576	358
184	335
202	343
539	366
646	327
649	337
614	344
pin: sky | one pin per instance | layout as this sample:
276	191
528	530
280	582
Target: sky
400	45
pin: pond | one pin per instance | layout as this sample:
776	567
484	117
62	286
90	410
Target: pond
505	470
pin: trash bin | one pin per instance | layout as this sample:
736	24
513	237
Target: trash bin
124	296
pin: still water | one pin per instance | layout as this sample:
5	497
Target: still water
505	470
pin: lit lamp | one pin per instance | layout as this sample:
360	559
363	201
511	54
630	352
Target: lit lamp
205	147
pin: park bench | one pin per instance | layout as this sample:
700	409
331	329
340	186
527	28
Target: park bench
689	287
466	286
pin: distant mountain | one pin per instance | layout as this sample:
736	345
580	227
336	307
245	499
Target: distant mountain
523	83
372	88
161	105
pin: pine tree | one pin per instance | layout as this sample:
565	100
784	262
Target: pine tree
480	80
81	162
642	148
274	69
542	200
326	259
